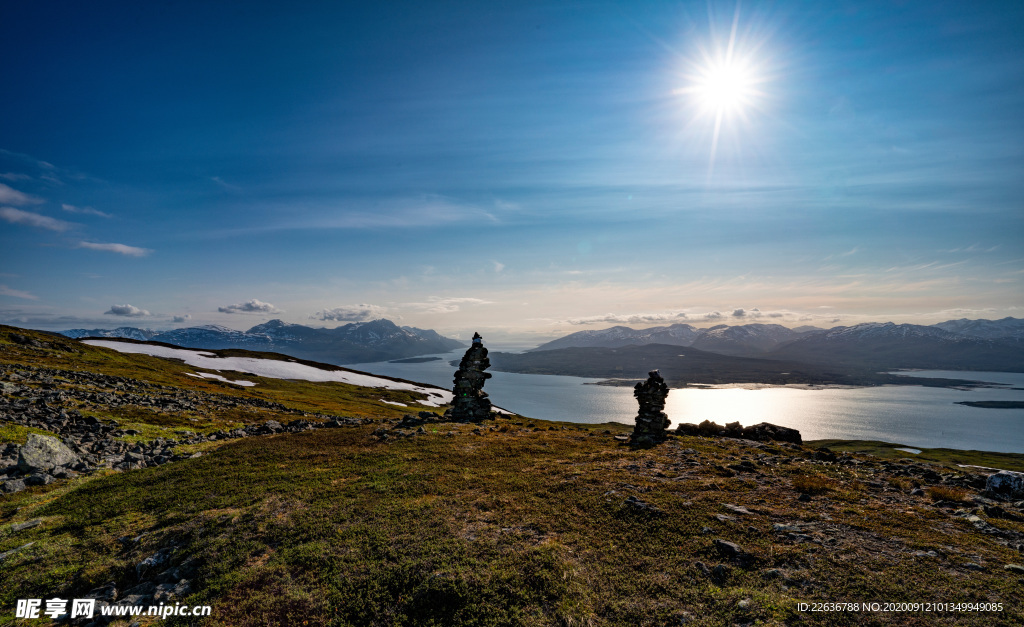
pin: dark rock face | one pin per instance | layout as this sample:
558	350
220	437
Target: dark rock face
761	432
471	403
651	421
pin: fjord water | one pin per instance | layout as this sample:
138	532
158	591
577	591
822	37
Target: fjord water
911	415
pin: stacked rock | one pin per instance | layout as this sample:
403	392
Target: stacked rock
652	421
470	402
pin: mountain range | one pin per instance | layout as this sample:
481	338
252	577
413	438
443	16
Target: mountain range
357	342
952	345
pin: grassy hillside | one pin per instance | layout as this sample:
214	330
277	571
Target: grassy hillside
513	522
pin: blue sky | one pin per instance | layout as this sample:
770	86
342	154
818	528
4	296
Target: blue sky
522	169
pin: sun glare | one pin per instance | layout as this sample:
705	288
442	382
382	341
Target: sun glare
724	87
723	83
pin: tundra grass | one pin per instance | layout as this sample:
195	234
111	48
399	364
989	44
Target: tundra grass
515	522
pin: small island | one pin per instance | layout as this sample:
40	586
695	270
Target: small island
994	404
414	360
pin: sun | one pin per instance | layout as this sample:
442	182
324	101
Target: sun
725	86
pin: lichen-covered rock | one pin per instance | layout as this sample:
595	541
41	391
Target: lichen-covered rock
470	402
43	453
1006	483
651	421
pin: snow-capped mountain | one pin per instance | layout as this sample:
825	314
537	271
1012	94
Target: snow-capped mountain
890	345
377	340
989	329
746	340
675	335
130	333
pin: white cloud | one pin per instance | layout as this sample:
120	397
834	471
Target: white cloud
129	311
182	318
636	318
252	306
17	216
6	291
12	196
350	313
436	304
498	266
86	210
121	249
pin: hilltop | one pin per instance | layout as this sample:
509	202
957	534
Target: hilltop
291	501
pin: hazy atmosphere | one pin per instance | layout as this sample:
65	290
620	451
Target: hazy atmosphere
522	169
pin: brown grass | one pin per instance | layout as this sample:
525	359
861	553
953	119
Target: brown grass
948	493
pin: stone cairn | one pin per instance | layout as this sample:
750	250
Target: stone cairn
651	422
470	403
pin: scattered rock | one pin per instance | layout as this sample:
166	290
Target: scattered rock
637	506
761	432
732	551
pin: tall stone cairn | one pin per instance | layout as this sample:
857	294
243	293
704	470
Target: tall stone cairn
652	421
470	403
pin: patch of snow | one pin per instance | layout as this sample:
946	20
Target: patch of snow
210	375
392	402
273	369
915	451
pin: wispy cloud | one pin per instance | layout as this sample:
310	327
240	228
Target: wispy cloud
86	210
17	216
121	249
12	196
128	311
252	306
14	176
225	185
184	318
6	291
350	313
436	304
498	266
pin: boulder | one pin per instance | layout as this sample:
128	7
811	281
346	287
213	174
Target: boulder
44	453
1006	483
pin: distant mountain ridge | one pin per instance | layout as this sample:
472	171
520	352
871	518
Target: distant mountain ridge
357	342
889	345
989	329
741	340
953	345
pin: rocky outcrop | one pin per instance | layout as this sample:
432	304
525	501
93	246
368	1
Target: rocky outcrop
761	432
651	421
41	398
470	403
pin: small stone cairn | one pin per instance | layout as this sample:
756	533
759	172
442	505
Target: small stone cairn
652	421
471	403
